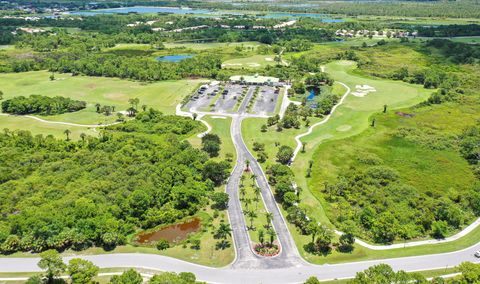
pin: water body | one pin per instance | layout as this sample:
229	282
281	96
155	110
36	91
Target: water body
173	233
324	18
174	58
141	10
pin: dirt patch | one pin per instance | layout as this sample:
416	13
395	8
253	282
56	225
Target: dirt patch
403	114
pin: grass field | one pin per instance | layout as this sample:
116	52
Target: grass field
350	119
211	45
256	61
221	127
163	96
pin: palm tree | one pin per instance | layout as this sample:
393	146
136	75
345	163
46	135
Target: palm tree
303	146
67	132
247	165
242	178
97	105
194	116
242	192
272	235
257	195
253	177
82	136
248	201
144	107
223	232
261	236
269	217
251	216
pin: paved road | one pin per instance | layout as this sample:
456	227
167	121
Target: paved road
289	255
287	267
244	275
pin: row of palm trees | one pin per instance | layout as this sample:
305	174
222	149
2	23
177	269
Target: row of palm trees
251	213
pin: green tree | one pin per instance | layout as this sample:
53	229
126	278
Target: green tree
67	132
261	236
284	154
128	277
222	232
312	229
220	199
52	263
312	280
82	271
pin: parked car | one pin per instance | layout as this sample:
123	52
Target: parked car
477	254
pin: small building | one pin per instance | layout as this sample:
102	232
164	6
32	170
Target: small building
255	80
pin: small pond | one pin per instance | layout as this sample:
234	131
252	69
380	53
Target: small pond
174	58
173	233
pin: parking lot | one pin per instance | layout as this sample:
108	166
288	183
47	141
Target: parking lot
229	97
266	100
202	98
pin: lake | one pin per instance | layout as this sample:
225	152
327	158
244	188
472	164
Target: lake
174	58
324	18
141	10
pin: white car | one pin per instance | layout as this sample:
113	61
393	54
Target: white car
477	254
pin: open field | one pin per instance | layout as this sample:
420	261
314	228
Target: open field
211	45
105	91
37	127
256	61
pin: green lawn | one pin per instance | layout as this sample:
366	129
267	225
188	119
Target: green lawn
221	127
105	91
210	45
255	61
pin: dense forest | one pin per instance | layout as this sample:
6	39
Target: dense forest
61	194
36	104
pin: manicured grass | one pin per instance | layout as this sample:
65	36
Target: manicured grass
105	91
37	127
211	45
221	127
350	119
256	61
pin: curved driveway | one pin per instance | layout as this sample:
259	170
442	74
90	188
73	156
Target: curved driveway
289	256
287	267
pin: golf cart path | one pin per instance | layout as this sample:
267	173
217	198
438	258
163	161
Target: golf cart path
61	122
325	120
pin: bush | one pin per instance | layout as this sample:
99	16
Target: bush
162	245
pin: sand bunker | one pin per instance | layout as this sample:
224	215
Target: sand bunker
221	117
363	90
268	59
253	64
